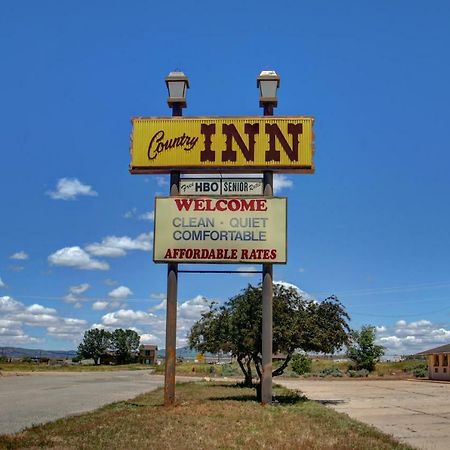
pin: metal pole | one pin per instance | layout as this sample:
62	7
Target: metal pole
171	312
267	299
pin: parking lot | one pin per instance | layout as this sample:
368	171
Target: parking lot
416	412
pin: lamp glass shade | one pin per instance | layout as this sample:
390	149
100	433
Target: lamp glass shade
177	89
268	88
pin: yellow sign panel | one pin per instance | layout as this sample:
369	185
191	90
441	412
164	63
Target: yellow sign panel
245	144
220	230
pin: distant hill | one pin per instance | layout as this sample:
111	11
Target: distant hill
17	352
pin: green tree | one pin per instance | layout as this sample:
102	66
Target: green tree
362	350
95	343
124	343
301	363
298	323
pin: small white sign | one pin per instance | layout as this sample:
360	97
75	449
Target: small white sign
221	186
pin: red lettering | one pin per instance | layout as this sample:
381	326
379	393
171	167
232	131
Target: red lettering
208	153
221	205
230	131
168	254
273	254
183	203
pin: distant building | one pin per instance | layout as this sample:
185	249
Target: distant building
438	362
147	354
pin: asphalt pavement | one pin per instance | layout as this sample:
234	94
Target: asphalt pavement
26	400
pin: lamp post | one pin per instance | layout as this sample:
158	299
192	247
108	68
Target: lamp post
177	84
268	82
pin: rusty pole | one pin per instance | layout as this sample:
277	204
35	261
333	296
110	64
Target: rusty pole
171	312
267	299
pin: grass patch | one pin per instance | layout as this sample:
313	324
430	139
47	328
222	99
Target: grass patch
206	416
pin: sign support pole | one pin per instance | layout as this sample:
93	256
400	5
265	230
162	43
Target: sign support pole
267	299
171	311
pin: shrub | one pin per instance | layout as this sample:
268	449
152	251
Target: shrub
330	372
301	363
229	370
420	371
26	359
358	373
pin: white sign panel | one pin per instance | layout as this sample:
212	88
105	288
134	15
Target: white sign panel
220	230
221	186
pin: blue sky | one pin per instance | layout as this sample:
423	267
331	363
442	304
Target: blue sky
371	225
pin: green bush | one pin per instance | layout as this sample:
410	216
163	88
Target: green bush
228	370
330	372
358	373
301	363
421	371
26	359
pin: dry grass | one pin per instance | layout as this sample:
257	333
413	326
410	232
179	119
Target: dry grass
206	416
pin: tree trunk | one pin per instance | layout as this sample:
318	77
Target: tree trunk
283	366
247	373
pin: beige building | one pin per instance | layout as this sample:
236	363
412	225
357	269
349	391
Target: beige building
438	362
147	354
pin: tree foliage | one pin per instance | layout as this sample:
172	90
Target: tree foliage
95	344
298	323
124	343
363	350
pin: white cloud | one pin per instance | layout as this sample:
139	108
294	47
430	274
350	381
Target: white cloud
99	305
301	292
20	256
245	269
71	298
15	315
158	296
2	284
153	326
147	216
301	269
121	292
39	309
125	317
79	289
8	305
131	213
76	257
162	181
160	306
114	246
192	309
281	182
405	338
148	338
70	189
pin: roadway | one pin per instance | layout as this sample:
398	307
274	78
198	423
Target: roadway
42	397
